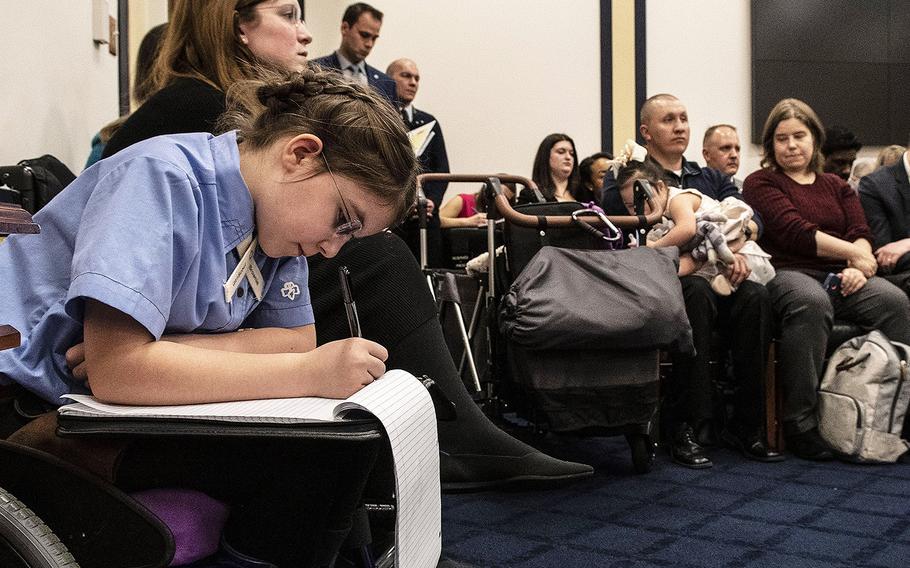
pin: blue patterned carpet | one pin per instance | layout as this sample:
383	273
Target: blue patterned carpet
738	514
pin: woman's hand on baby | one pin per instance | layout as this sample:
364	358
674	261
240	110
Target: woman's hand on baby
852	280
348	365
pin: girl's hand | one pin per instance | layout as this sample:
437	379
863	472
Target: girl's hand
75	360
661	197
348	365
852	280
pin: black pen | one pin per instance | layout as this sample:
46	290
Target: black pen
350	309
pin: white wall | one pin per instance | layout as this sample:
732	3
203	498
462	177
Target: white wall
499	76
710	71
58	87
144	15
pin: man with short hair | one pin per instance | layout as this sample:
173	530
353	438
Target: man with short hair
745	315
721	150
433	158
360	27
840	150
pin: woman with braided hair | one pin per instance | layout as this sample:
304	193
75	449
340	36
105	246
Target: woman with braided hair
208	47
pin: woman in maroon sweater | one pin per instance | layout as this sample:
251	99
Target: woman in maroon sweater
814	226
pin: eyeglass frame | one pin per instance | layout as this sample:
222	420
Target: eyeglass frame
298	14
351	224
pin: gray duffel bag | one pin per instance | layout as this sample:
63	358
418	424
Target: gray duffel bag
589	299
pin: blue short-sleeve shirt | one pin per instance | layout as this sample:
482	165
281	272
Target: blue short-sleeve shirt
151	231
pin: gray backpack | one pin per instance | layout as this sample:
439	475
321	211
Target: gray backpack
863	399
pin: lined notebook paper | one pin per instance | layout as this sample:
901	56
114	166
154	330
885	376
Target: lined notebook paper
398	399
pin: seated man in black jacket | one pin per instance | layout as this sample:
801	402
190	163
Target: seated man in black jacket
745	314
888	213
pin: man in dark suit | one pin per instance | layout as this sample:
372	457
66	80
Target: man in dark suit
359	31
433	159
885	195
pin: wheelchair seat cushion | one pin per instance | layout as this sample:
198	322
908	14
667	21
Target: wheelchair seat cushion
194	519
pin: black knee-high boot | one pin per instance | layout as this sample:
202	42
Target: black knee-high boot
397	311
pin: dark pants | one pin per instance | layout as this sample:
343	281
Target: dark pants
806	313
744	321
397	311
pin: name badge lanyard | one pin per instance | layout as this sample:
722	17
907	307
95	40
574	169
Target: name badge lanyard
245	269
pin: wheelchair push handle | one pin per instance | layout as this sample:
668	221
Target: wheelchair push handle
505	209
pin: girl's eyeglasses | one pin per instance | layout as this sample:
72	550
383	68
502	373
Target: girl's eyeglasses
350	225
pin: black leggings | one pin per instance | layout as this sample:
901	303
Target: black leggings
397	311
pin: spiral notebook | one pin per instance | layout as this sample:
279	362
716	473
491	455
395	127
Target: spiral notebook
400	402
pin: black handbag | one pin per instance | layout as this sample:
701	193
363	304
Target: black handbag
31	184
590	299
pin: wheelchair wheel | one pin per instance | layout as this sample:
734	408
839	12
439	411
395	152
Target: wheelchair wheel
25	541
642	452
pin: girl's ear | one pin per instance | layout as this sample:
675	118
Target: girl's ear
298	149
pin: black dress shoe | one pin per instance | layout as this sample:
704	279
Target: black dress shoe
533	470
809	446
685	451
752	447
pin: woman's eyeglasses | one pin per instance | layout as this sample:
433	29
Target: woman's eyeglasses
349	225
289	12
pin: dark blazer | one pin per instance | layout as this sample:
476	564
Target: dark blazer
885	195
376	78
434	159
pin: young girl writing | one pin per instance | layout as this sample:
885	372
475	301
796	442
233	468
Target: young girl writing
164	252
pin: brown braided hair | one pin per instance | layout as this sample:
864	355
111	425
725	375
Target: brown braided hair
364	138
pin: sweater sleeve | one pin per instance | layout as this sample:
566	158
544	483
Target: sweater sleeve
785	227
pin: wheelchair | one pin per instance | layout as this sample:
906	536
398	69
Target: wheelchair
589	391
